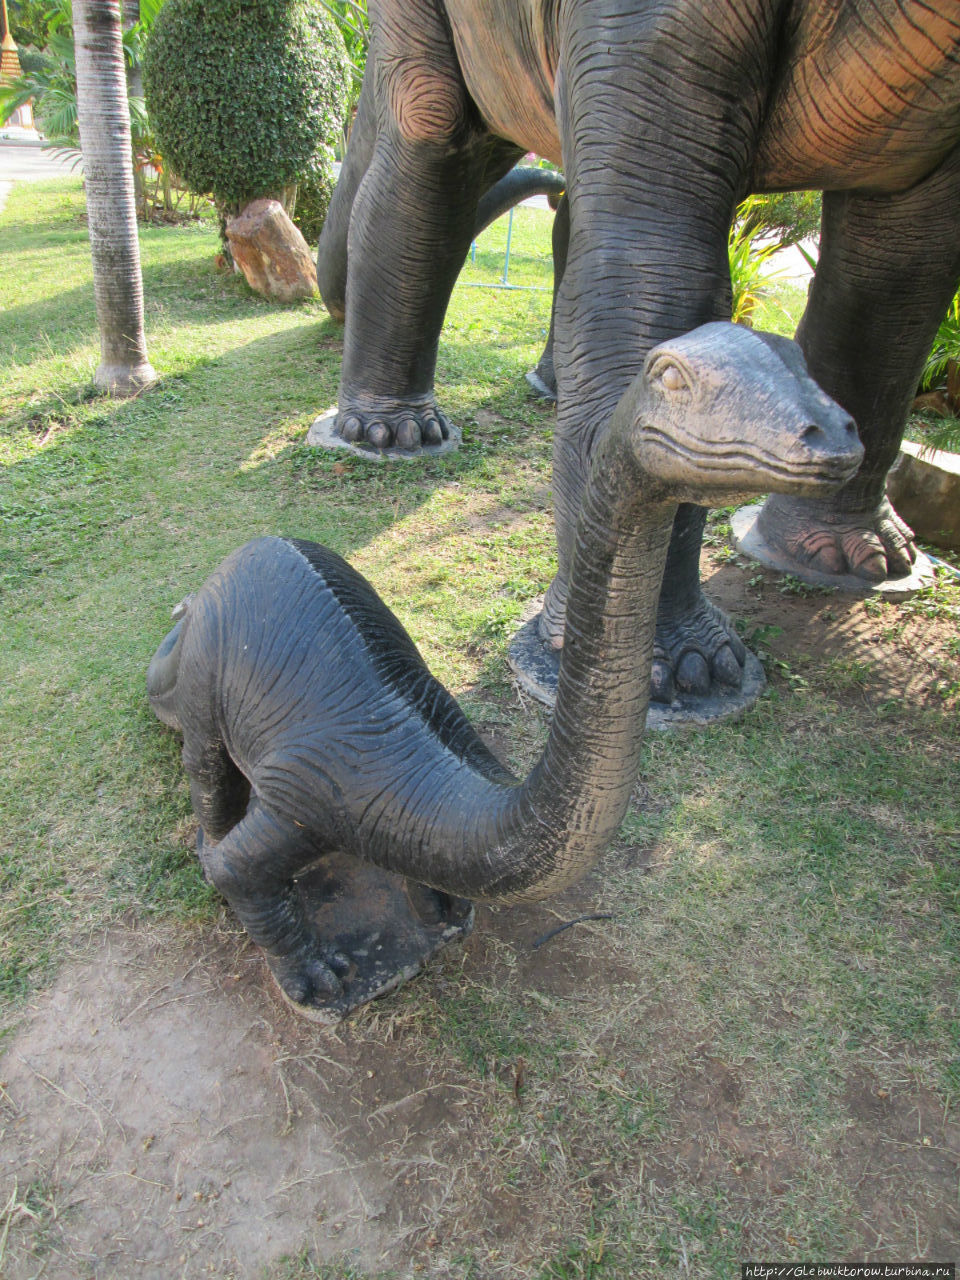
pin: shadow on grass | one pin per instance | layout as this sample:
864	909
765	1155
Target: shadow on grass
216	447
174	292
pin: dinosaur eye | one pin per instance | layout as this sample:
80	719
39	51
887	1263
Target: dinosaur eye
672	379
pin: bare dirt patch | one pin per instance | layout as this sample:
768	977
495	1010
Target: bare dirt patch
150	1127
162	1113
897	651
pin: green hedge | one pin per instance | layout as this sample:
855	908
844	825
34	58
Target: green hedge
313	199
244	95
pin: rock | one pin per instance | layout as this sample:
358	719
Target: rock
271	252
925	489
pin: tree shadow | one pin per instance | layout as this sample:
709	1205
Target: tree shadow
190	450
173	292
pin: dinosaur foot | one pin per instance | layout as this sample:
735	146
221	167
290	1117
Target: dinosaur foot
377	929
403	431
872	551
701	673
695	653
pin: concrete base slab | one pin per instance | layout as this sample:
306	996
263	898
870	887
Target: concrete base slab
748	539
536	667
539	387
323	436
924	487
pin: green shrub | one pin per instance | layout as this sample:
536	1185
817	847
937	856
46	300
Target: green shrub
244	94
941	375
313	198
781	218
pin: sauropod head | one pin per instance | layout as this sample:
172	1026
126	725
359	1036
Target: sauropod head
724	411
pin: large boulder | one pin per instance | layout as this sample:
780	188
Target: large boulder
271	252
924	486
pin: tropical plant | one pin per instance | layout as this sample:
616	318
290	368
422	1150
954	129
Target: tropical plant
764	225
48	79
245	98
28	21
942	368
748	278
782	218
940	381
351	17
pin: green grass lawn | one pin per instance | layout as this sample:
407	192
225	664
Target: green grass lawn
113	512
785	894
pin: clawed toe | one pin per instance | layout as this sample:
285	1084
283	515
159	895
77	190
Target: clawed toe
379	435
727	670
309	979
871	545
695	653
407	429
662	684
340	963
693	675
435	429
350	428
739	650
408	433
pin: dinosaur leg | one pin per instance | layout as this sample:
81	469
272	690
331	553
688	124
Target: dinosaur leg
253	866
889	265
696	647
543	378
219	792
332	249
647	260
410	228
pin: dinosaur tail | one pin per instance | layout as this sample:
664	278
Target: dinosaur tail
519	184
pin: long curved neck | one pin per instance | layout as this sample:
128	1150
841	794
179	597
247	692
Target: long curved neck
569	808
588	769
491	840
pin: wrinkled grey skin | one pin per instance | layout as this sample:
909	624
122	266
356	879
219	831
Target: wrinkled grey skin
663	115
310	723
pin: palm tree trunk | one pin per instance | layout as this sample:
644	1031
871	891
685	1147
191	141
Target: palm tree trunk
111	207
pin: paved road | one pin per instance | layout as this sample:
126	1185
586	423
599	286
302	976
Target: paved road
24	160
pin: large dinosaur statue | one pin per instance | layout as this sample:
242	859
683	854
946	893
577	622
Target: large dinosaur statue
663	115
311	724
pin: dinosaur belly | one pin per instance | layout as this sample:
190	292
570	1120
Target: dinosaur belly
505	54
864	105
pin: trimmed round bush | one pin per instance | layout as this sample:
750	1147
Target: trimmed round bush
244	95
313	198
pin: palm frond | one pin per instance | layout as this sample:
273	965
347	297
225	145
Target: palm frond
749	282
57	114
946	347
64	149
14	95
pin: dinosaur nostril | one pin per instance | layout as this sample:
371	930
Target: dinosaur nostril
811	433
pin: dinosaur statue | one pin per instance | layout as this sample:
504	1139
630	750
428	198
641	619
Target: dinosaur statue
663	115
311	724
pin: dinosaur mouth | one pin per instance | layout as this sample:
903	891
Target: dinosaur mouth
736	459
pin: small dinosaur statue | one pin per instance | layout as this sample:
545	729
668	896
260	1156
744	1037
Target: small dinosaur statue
311	724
